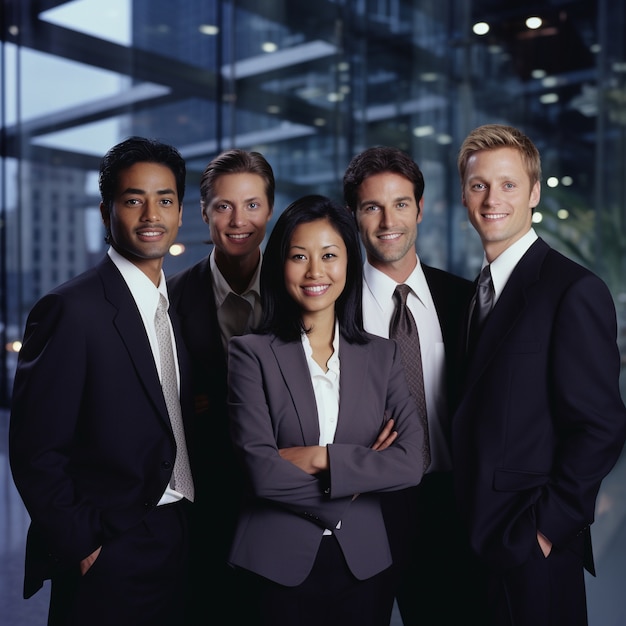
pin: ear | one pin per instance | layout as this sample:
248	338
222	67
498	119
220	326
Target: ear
180	216
204	213
535	195
106	215
420	210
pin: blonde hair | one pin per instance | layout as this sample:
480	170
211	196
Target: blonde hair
493	136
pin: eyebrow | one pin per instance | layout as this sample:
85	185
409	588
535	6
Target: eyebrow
378	202
161	192
330	245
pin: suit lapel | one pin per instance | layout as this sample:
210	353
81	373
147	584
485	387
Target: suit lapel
508	309
354	360
129	325
294	369
197	302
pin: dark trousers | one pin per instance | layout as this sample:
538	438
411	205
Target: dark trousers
441	582
541	592
330	596
137	580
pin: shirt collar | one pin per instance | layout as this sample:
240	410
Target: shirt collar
503	265
141	287
382	286
333	362
222	288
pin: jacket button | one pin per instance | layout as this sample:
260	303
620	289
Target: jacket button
166	465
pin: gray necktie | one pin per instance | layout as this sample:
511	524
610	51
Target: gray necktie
182	480
404	330
483	302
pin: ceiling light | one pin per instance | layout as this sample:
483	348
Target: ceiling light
423	131
533	23
269	46
480	28
552	181
208	29
549	98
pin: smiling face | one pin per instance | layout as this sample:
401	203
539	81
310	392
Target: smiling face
237	216
315	269
145	216
499	198
387	215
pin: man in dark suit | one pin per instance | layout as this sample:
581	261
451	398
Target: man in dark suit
97	446
541	420
384	188
217	298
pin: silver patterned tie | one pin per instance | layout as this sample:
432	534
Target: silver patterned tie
182	480
404	330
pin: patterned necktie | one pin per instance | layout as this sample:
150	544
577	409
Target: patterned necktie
404	330
481	306
182	480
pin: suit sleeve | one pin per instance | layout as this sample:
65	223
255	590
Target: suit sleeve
590	419
43	431
360	469
254	432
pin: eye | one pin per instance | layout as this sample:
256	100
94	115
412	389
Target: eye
167	201
478	186
329	255
222	207
253	205
509	185
298	257
372	208
401	205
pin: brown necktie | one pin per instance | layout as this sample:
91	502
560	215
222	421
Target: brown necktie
404	330
182	480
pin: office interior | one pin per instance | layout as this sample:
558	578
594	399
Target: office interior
308	84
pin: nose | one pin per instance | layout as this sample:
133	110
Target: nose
386	218
238	217
315	269
150	212
491	197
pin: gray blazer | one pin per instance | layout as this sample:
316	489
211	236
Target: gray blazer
272	406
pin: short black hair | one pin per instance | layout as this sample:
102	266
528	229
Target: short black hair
281	315
138	150
377	160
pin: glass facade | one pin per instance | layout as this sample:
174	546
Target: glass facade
308	84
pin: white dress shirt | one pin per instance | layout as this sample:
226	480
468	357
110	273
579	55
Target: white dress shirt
236	313
503	265
326	391
146	297
378	308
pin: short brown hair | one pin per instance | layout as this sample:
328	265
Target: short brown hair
236	161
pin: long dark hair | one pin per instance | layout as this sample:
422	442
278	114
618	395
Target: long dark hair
281	315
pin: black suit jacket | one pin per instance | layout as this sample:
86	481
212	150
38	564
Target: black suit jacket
217	474
451	295
541	420
90	441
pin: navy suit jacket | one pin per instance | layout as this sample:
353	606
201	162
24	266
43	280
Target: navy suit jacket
541	420
90	441
272	405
